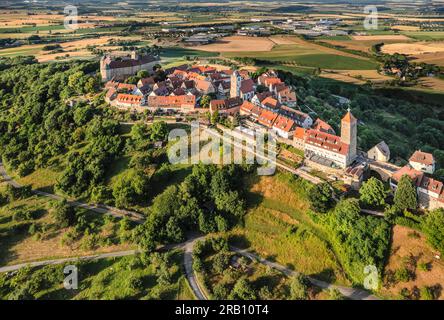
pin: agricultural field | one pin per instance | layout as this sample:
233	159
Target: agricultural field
292	50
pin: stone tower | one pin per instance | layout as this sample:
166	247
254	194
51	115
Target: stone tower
236	80
349	134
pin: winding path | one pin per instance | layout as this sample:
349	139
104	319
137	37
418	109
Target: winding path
351	293
100	208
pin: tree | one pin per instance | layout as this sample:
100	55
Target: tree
159	131
64	215
373	192
405	194
321	197
433	227
242	290
299	287
129	187
205	101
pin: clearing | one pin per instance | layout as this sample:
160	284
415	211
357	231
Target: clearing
278	228
410	245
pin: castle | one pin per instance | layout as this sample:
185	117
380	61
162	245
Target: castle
117	68
328	149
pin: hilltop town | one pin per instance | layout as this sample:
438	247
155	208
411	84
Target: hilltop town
227	151
265	103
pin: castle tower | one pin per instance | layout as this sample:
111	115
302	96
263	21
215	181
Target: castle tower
134	55
236	80
349	134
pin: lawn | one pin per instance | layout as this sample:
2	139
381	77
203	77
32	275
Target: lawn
278	228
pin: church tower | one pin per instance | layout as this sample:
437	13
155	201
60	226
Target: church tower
349	134
236	80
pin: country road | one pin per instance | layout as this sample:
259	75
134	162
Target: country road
351	293
100	208
189	272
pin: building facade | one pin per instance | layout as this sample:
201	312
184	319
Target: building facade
115	68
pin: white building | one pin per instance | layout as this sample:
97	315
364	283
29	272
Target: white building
422	161
380	152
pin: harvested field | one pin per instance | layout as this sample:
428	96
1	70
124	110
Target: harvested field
411	245
413	48
432	83
355	76
381	37
238	44
431	58
405	28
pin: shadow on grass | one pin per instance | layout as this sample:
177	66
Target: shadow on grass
327	275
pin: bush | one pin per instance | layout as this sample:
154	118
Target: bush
63	214
299	287
427	293
403	275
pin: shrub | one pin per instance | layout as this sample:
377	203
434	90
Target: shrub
402	275
427	293
299	287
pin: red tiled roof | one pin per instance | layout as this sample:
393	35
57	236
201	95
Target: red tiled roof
261	96
326	141
147	81
414	174
422	157
267	118
129	98
127	86
284	124
202	85
432	185
272	80
247	86
187	101
299	133
271	103
247	106
323	126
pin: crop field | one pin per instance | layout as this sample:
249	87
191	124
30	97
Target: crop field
426	35
413	48
380	37
238	44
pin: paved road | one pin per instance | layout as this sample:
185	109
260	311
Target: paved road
373	212
115	212
351	293
115	254
189	272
